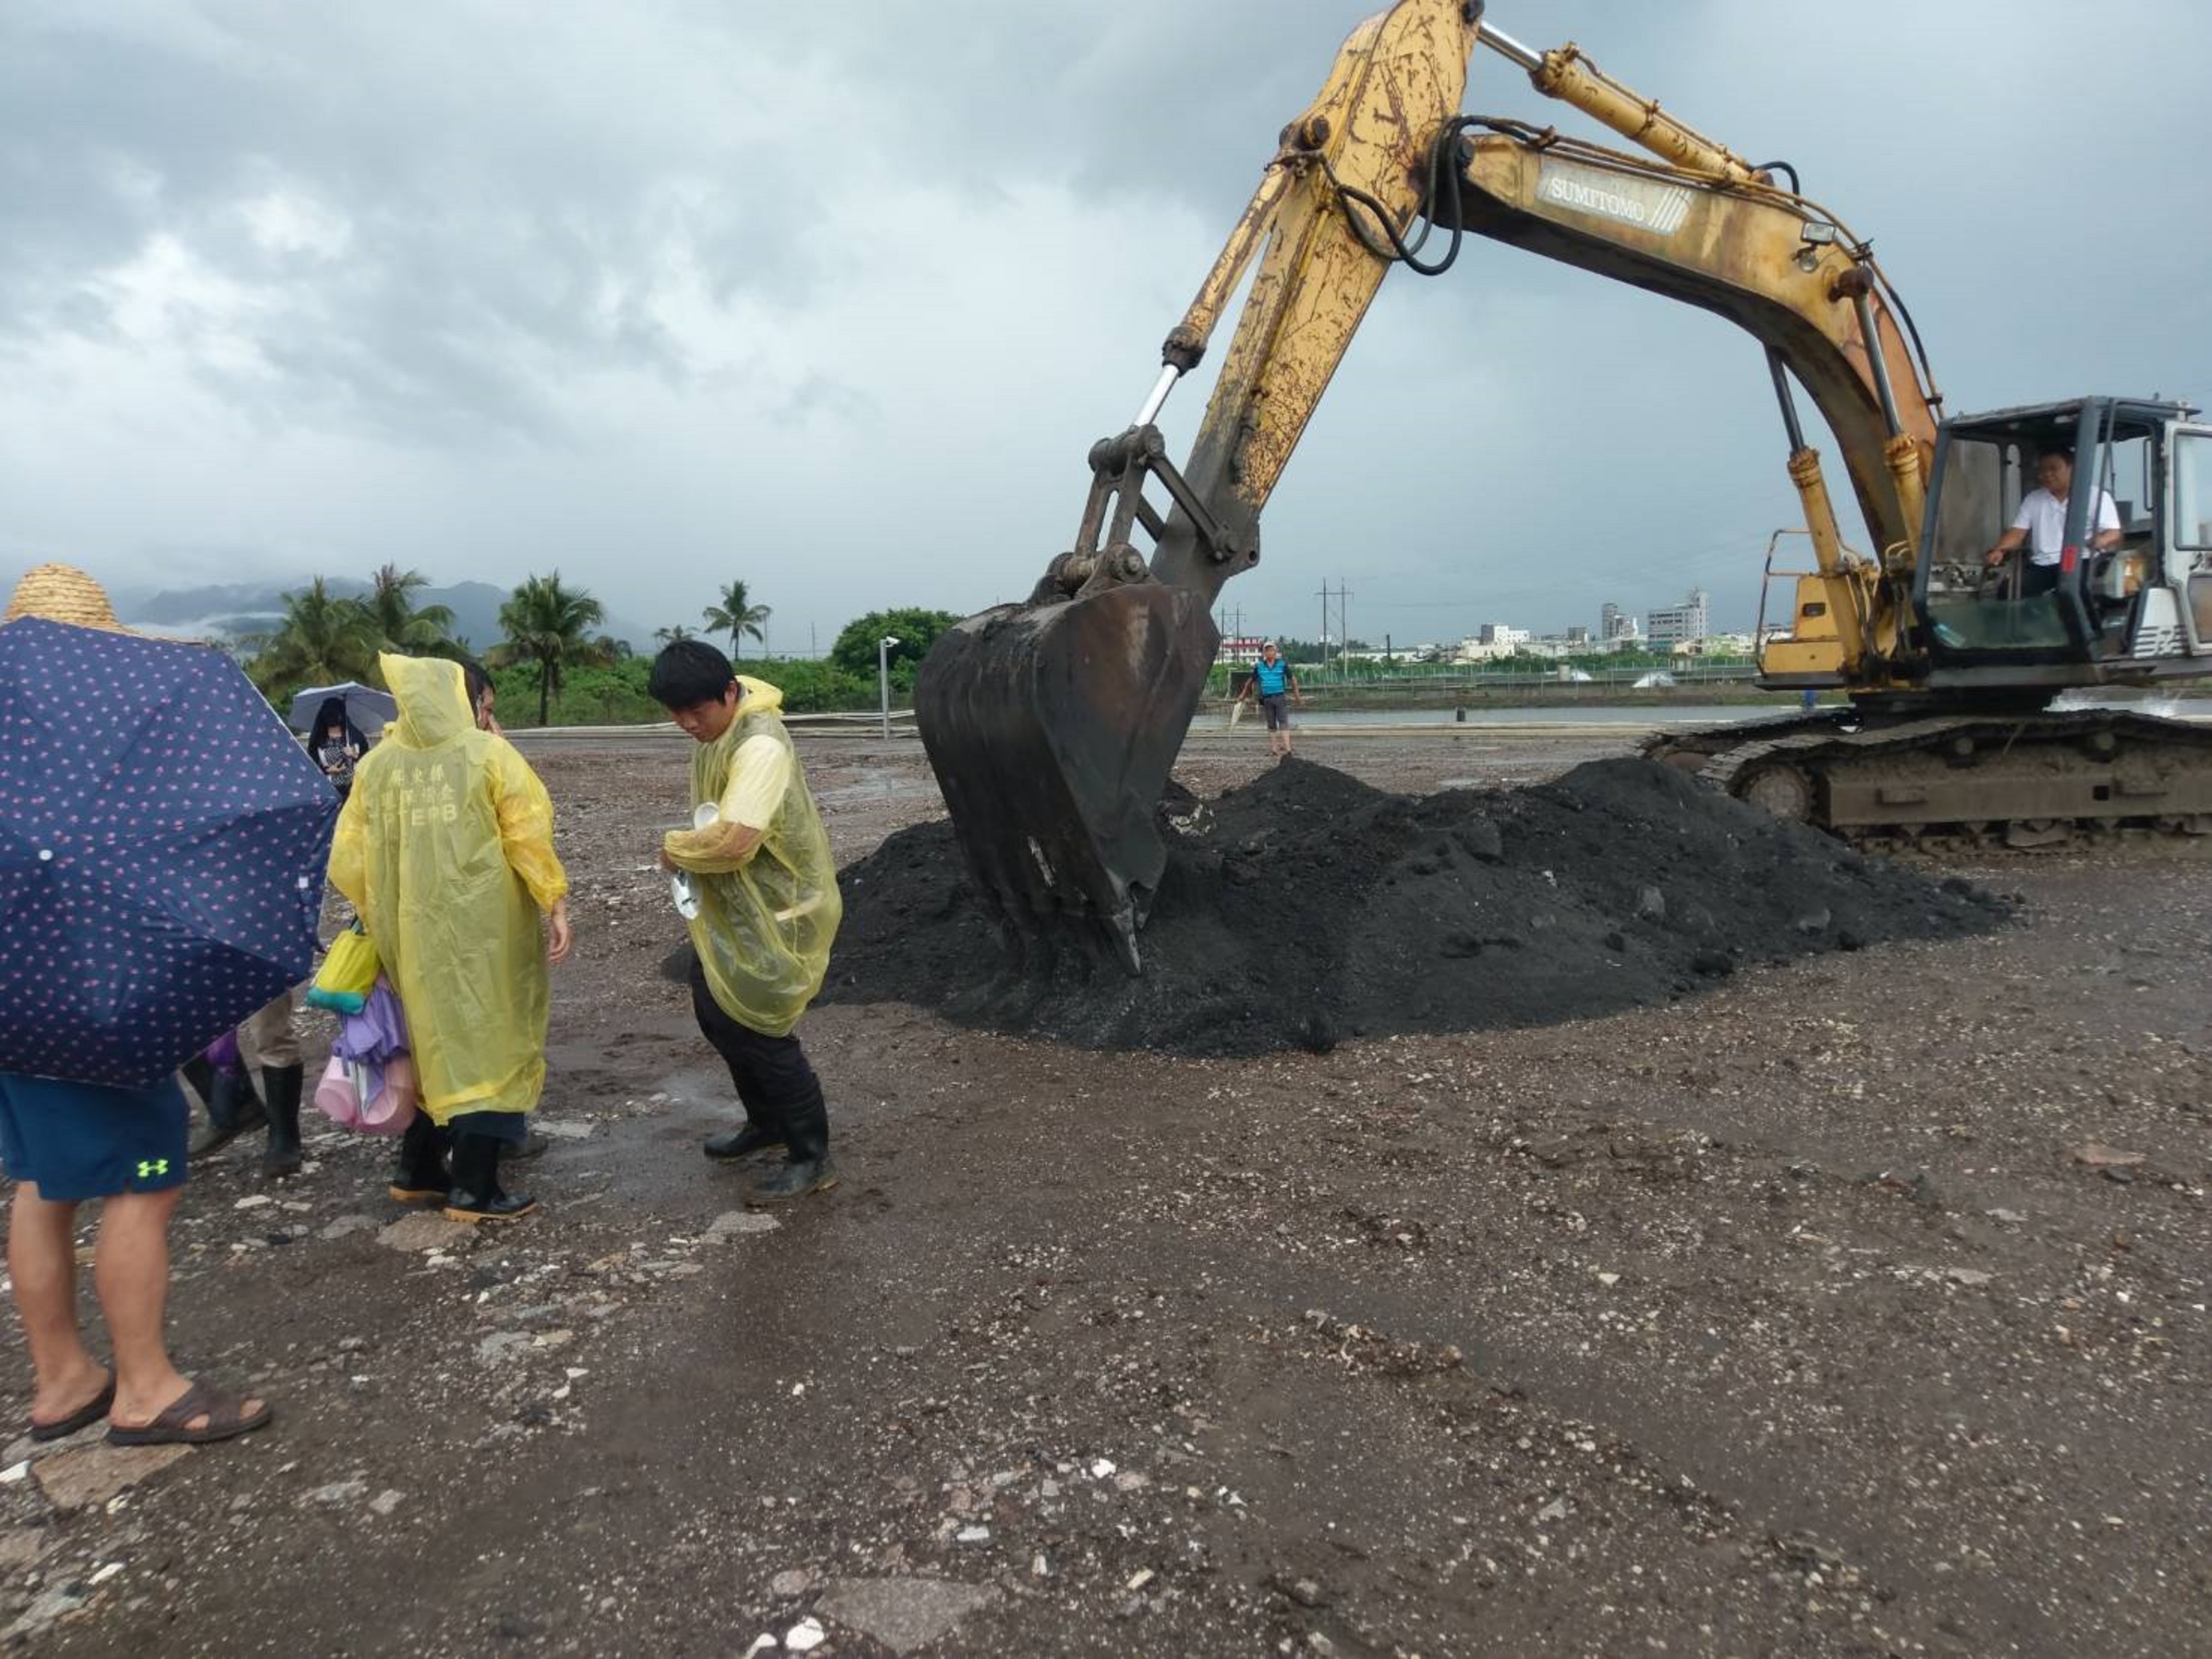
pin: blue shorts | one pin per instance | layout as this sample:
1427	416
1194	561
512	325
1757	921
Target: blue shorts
78	1140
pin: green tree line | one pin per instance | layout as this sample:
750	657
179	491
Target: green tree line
553	661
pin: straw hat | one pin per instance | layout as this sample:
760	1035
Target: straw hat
63	593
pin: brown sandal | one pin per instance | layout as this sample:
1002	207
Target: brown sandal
225	1414
82	1417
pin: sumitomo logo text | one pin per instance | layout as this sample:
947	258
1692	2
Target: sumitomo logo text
1645	203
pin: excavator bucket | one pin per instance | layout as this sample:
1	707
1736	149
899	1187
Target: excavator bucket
1052	729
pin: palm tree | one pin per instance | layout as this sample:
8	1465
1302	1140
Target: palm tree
672	633
424	630
735	618
548	623
323	640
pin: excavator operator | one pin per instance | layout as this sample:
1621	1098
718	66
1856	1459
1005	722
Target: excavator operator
2041	524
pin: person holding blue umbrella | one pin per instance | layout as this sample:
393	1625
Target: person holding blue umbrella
144	909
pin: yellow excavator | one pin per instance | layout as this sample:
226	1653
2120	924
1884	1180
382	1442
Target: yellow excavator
1052	725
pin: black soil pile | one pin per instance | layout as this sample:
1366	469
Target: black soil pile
1308	906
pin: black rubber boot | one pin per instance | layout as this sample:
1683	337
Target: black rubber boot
476	1194
233	1108
755	1137
284	1084
807	1169
420	1177
763	1128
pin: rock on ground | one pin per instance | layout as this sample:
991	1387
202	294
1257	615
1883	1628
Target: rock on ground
22	1546
732	1223
52	1607
423	1230
82	1479
904	1615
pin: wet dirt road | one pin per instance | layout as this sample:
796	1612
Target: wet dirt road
1788	1319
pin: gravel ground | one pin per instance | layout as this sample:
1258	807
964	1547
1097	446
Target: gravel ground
1856	1308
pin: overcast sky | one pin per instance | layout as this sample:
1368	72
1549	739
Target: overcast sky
834	298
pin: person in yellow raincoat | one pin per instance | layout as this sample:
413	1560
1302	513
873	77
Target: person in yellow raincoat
763	908
445	849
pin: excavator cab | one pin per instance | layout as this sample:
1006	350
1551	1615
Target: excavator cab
2117	604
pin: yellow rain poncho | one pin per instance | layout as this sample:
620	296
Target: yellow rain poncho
768	911
446	849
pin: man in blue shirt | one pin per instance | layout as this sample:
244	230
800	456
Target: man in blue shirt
1276	685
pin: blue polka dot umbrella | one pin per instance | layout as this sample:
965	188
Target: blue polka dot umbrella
162	844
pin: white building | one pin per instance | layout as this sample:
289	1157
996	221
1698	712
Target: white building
1475	649
1240	654
1678	624
1493	641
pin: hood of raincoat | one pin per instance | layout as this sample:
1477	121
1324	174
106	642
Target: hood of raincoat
760	697
433	699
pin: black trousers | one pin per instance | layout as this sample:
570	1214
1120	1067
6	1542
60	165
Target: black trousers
774	1077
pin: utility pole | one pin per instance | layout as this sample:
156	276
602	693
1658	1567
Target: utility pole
884	678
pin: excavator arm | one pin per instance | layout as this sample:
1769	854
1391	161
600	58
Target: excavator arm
1691	220
1741	251
1052	725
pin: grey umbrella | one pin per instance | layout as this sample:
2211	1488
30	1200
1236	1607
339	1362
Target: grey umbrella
367	709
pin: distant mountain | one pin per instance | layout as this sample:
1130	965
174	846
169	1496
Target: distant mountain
258	607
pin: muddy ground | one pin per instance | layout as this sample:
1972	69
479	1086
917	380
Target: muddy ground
1788	1319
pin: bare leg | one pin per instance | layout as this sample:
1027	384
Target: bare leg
42	1262
131	1268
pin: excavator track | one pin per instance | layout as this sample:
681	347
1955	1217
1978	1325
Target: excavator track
1967	783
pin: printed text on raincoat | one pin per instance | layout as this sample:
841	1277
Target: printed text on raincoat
446	849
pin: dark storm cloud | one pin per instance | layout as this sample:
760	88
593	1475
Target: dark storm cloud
504	186
508	285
